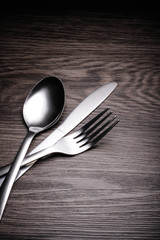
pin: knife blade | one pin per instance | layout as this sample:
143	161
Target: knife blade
89	104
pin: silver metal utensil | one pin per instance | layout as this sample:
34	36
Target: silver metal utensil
88	105
42	108
75	117
77	142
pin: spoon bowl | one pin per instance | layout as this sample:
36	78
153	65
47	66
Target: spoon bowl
44	104
42	108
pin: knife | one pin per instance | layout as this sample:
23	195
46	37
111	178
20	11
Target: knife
75	117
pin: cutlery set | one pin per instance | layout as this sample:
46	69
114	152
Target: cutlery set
42	109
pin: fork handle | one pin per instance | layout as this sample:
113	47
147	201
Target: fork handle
22	170
30	159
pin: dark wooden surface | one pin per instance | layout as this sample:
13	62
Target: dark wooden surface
112	191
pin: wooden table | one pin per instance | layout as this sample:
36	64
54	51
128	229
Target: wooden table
112	191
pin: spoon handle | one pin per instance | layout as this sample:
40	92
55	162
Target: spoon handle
12	174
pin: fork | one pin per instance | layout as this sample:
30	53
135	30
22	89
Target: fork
75	143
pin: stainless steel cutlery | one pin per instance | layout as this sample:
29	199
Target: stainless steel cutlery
75	143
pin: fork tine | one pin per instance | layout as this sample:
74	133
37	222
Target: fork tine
99	137
101	128
88	124
98	123
80	138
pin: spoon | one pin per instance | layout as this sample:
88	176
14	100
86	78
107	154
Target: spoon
42	108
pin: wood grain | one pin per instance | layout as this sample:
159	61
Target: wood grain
112	191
